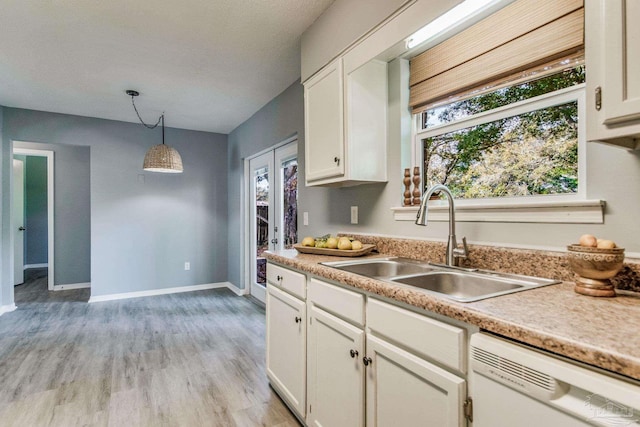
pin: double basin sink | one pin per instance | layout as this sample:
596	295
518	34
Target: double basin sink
459	284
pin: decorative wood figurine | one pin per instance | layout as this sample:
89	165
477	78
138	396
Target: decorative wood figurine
416	186
407	187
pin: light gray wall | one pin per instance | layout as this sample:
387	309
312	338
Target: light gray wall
144	225
72	211
340	25
613	175
280	119
6	261
35	209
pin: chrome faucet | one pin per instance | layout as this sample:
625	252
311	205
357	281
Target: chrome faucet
454	254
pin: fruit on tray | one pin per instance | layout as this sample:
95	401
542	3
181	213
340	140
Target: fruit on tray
308	241
344	244
329	242
591	241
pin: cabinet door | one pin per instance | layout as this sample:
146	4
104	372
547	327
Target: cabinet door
622	61
404	390
612	41
324	123
336	372
286	340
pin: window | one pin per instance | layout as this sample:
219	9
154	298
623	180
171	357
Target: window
516	141
499	115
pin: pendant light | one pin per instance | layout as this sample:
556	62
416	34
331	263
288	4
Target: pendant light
161	157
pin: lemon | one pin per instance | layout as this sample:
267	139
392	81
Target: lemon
332	243
344	244
308	241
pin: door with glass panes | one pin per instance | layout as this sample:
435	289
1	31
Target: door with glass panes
273	200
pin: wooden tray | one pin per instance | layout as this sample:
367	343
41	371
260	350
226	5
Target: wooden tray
366	248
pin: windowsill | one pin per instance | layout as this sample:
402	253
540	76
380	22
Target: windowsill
563	212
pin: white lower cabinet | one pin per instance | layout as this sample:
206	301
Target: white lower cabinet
335	371
391	367
286	347
405	390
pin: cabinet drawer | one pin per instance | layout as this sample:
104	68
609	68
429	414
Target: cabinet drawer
341	302
428	338
286	279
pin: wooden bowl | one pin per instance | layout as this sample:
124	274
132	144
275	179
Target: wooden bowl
594	268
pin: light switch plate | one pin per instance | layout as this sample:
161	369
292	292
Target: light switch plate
354	214
305	218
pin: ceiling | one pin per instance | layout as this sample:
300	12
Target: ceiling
208	64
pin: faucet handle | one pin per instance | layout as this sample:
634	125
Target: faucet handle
462	253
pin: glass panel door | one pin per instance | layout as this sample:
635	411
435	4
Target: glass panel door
286	232
262	225
274	209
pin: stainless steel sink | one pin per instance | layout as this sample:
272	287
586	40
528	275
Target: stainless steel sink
464	285
381	268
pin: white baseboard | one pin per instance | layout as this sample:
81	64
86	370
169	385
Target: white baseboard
154	292
45	265
69	286
7	308
236	290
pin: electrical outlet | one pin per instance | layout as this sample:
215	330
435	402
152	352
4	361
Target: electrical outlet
354	214
305	218
187	265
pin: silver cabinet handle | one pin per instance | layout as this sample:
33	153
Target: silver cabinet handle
367	361
353	353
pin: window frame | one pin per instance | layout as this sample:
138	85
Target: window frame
559	97
554	208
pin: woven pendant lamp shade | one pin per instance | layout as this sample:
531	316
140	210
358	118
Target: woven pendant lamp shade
162	158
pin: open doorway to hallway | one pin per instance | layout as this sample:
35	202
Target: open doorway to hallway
57	228
33	225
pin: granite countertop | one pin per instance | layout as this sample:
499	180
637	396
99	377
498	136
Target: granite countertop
598	331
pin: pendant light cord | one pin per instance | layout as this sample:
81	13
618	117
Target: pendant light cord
161	118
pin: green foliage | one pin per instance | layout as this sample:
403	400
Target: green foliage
533	153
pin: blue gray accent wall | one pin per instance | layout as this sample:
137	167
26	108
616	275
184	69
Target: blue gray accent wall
36	242
72	212
6	291
280	119
144	225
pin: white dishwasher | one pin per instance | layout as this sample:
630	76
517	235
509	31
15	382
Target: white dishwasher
513	385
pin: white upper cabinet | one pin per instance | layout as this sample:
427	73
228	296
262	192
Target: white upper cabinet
613	71
324	124
346	101
346	125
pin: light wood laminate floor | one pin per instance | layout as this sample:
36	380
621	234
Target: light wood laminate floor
189	359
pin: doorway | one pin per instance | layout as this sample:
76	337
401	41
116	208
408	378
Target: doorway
18	221
273	208
20	226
